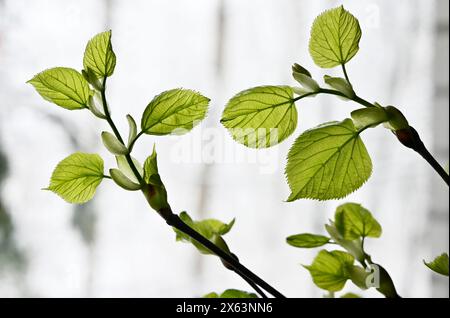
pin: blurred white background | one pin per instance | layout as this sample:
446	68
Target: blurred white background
115	246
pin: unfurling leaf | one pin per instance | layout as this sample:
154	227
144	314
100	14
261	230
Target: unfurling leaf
122	181
306	240
132	129
62	86
397	121
335	36
125	168
307	82
174	111
369	117
439	264
341	85
76	177
211	229
113	144
328	162
231	293
92	105
331	270
151	175
354	221
297	68
261	116
99	56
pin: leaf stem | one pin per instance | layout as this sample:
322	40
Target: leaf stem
230	262
130	146
345	73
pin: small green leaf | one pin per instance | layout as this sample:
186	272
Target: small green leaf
328	162
341	85
151	175
261	116
231	293
330	270
113	144
350	295
306	240
354	221
307	82
99	56
123	166
369	117
397	121
211	229
174	111
297	68
92	105
132	129
76	177
63	86
353	247
121	180
439	264
335	36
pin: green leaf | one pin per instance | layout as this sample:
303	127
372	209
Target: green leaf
113	144
350	295
151	175
330	270
297	68
353	247
306	240
211	229
369	116
99	56
122	181
341	85
174	111
231	293
354	221
307	82
125	168
397	121
439	264
261	116
328	162
76	177
335	36
132	129
63	86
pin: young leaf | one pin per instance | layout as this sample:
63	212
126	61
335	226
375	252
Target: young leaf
439	265
63	86
151	175
113	144
354	221
231	293
353	247
297	68
132	129
369	116
209	228
261	116
177	110
341	85
76	177
328	162
125	168
307	240
335	36
99	56
307	82
122	181
330	270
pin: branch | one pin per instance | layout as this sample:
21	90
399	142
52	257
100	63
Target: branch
231	262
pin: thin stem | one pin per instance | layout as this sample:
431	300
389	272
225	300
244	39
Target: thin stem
173	220
131	145
345	73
